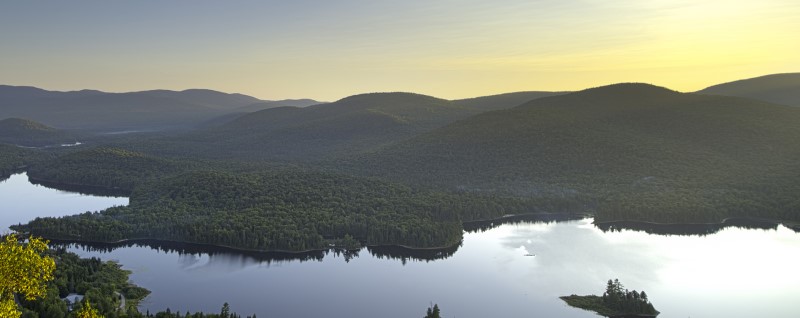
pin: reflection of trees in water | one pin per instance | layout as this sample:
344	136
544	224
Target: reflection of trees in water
389	252
346	254
199	249
546	218
688	229
400	253
404	254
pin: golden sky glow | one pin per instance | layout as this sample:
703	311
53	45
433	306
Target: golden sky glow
451	49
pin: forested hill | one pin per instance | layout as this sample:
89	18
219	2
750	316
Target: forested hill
29	133
352	124
105	167
776	88
90	109
643	151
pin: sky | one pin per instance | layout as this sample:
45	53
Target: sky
451	49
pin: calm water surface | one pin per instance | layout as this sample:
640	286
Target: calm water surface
734	272
21	201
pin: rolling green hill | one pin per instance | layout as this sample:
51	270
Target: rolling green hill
104	167
635	151
29	133
353	124
776	88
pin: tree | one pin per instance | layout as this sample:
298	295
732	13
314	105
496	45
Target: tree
87	311
226	311
433	312
23	270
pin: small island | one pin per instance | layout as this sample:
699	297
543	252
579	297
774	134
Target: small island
616	302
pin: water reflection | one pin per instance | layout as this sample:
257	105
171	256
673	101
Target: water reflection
700	229
536	226
189	249
404	255
482	226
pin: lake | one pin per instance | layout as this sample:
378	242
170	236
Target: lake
727	272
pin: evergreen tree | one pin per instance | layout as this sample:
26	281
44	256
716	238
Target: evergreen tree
433	312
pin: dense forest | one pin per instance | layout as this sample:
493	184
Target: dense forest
283	210
13	159
104	167
636	151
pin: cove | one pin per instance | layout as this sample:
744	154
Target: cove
22	201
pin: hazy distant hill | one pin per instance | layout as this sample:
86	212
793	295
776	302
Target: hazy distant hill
262	105
645	144
206	97
97	110
29	133
503	101
351	124
777	88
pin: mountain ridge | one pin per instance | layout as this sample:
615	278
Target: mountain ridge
633	139
782	88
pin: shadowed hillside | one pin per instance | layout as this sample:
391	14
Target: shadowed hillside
635	148
777	88
29	133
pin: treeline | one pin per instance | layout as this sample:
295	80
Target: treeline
281	210
100	282
225	312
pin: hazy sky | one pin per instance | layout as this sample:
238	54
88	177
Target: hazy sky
329	49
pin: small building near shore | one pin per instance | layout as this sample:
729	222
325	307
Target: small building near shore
72	299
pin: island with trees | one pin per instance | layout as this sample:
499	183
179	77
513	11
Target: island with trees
616	302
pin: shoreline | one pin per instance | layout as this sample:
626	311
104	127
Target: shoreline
67	186
250	250
789	224
144	241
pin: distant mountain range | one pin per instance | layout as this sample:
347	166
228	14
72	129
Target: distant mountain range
776	88
96	110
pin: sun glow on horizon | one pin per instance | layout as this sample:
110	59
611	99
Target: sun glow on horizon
326	51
